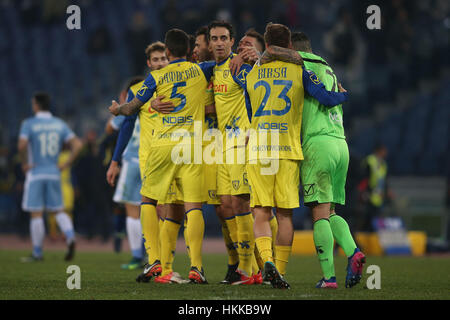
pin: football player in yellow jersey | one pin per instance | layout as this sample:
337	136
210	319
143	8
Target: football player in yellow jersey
274	97
232	182
171	159
156	59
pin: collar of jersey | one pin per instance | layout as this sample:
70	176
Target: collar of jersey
43	114
229	57
176	61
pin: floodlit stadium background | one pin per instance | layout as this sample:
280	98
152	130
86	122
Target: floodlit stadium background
398	79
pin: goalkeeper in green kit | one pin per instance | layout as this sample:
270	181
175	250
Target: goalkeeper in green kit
324	168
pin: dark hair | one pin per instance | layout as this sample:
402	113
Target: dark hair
218	24
258	36
191	47
203	31
177	42
132	81
43	100
301	42
277	35
155	46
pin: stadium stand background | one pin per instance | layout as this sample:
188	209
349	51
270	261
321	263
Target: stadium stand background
398	77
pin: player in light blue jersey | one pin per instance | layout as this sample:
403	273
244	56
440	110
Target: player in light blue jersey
129	185
40	142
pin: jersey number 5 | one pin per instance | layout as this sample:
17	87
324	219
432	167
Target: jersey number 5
176	94
283	96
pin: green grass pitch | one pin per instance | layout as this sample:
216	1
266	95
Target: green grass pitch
102	279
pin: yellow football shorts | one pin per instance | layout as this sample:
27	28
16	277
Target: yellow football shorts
232	174
210	184
275	184
162	169
173	195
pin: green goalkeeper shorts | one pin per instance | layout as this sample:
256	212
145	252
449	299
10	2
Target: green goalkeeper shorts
324	170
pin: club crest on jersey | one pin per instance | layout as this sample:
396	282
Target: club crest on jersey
242	75
313	77
236	184
233	129
308	189
226	73
212	194
142	90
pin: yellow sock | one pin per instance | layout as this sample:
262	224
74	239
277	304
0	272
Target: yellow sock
169	235
232	229
150	231
282	254
274	228
264	245
195	232
186	238
259	261
246	241
233	256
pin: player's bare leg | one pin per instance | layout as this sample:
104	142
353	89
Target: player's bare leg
324	242
283	245
263	240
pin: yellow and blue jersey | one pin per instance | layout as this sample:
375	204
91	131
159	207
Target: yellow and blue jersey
275	91
274	101
184	83
230	103
135	135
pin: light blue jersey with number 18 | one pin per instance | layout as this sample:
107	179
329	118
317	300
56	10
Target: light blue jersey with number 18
46	135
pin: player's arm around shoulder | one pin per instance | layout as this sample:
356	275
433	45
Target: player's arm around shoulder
316	89
273	53
142	96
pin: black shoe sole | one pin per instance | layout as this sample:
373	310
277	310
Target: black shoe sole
275	278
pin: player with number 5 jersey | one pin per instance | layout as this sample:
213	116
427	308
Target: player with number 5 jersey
184	84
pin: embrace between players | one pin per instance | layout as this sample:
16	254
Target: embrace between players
267	120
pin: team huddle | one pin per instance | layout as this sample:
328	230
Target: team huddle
242	132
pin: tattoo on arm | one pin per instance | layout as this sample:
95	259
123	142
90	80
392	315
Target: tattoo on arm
286	55
266	57
131	107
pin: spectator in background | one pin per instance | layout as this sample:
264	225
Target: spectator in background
138	36
373	187
93	195
347	51
100	41
54	10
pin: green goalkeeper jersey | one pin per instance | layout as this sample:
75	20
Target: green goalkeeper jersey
317	118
